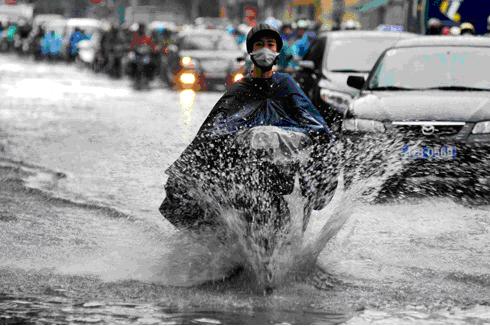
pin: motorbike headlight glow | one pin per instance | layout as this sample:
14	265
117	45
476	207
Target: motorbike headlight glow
481	128
237	77
187	62
188	78
362	125
337	99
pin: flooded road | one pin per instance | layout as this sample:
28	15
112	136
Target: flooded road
81	239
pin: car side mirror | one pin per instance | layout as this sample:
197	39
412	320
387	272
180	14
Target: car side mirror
307	65
356	82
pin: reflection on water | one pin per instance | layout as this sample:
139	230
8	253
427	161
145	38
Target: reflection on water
187	99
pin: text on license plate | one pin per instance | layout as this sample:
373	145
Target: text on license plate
424	152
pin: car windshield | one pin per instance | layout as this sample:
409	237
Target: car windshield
355	55
208	42
446	68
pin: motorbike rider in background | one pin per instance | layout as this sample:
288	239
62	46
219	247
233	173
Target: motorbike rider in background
167	40
285	61
287	33
434	27
75	38
141	39
113	47
51	45
302	42
11	32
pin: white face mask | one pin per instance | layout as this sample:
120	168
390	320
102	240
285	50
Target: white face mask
264	58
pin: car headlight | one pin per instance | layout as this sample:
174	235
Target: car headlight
481	128
188	78
362	125
337	99
187	62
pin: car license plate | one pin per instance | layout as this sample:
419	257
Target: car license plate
426	152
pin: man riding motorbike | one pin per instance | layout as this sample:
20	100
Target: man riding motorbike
434	26
231	150
76	37
141	66
112	49
140	38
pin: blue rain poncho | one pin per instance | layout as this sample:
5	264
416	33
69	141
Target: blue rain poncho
51	44
215	159
276	101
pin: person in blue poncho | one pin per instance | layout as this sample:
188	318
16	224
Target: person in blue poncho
265	98
265	92
51	45
76	37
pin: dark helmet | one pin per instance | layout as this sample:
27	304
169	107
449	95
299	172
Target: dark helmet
434	26
260	31
141	28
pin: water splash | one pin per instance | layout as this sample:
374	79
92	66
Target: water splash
272	238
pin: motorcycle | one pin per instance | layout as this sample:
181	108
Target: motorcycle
266	175
114	61
259	165
140	61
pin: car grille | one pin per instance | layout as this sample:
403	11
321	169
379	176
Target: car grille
427	130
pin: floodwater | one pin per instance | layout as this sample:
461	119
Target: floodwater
81	239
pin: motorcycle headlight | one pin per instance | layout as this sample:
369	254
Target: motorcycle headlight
481	128
362	125
238	76
187	62
336	99
188	78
